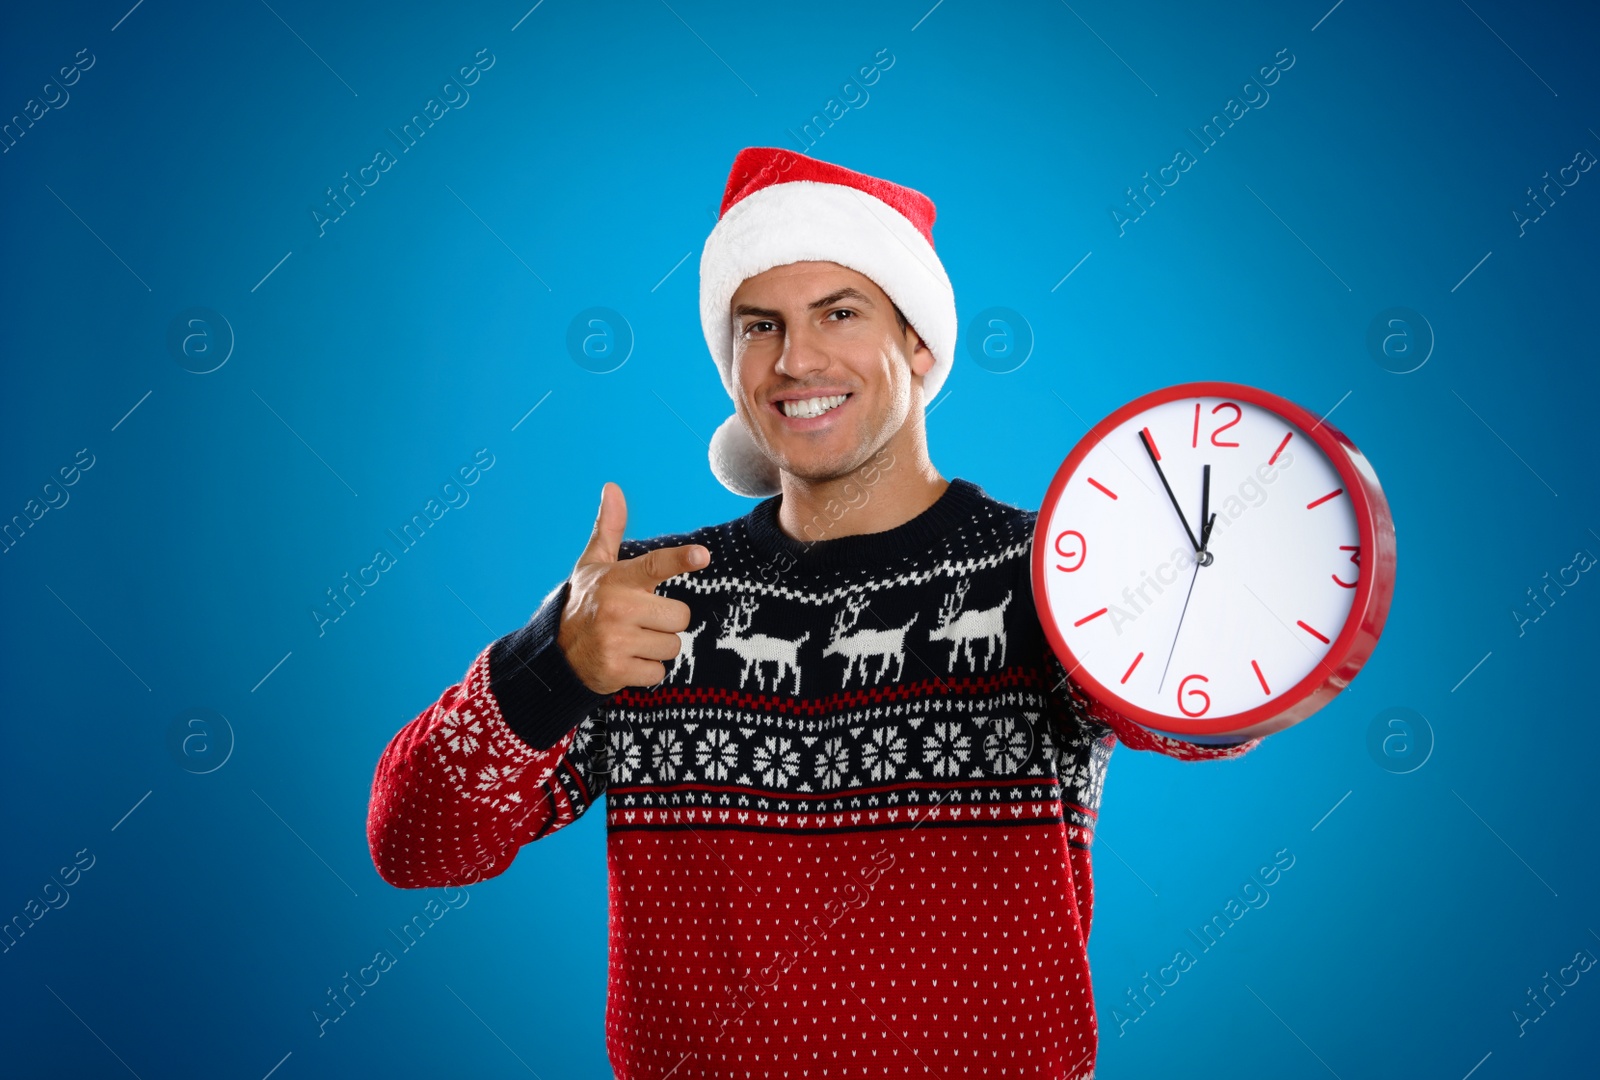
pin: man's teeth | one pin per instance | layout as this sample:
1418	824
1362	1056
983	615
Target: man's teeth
808	407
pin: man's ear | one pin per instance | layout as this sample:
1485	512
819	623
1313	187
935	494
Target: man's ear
921	355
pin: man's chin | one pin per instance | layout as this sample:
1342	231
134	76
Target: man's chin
819	458
821	470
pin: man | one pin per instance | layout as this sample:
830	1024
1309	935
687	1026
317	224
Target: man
850	790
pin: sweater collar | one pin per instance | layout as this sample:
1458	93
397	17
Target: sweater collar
958	505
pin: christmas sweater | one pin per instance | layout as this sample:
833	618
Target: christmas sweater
847	835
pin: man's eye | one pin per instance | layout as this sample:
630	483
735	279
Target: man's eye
756	326
841	311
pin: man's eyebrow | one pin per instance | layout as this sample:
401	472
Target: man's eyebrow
847	293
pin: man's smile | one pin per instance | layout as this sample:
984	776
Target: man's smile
803	410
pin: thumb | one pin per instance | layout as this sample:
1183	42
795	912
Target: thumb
606	538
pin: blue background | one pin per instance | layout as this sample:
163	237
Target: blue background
369	363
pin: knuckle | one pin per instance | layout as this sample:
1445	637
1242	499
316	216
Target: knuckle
617	606
681	615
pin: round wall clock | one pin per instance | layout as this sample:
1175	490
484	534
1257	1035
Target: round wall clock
1213	562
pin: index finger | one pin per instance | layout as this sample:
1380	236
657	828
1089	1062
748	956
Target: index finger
654	567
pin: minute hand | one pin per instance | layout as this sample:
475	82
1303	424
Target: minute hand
1150	449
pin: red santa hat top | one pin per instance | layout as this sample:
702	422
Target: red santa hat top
781	207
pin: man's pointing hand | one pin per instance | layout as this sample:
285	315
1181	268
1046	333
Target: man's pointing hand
615	631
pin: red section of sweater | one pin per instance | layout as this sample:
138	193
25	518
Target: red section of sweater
746	943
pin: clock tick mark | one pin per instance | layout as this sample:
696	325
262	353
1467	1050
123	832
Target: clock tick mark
1262	679
1091	615
1101	486
1279	450
1314	503
1310	631
1151	440
1131	666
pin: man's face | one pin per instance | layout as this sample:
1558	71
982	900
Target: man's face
823	375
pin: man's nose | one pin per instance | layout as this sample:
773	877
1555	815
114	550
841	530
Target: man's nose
803	354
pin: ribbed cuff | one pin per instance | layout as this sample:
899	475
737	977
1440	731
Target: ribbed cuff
540	696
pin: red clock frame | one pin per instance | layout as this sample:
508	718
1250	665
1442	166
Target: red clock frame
1369	607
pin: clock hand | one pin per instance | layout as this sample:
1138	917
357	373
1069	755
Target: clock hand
1175	633
1150	449
1205	506
1206	529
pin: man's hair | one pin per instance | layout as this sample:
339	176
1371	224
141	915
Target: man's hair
899	316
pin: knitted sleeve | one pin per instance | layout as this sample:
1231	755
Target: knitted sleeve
510	754
1101	719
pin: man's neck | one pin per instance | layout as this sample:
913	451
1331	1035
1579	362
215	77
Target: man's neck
889	489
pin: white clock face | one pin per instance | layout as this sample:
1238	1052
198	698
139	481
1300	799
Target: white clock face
1200	638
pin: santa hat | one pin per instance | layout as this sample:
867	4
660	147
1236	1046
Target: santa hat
781	207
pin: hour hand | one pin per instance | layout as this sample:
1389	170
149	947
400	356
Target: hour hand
1155	459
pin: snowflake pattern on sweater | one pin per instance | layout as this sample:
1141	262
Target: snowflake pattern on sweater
848	834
